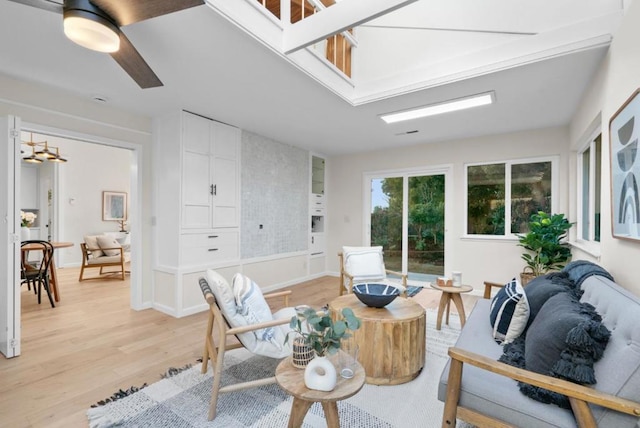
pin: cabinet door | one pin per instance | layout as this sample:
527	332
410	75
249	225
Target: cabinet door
196	172
226	176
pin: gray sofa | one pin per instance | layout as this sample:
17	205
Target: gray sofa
484	395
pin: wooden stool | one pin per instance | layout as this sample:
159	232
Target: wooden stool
451	294
291	380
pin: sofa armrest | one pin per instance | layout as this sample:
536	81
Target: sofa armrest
488	286
578	395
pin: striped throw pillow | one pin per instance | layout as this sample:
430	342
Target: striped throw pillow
509	312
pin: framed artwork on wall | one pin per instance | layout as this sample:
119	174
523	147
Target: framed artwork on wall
114	206
625	169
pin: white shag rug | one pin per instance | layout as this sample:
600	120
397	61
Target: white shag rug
182	400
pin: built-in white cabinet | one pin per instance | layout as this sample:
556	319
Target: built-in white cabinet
197	204
210	158
317	207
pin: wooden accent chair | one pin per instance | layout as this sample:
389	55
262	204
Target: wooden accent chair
365	264
220	336
103	261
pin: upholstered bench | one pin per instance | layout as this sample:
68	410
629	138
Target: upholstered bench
480	390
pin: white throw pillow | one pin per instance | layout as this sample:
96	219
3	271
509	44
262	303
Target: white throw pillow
364	263
223	293
92	245
109	245
251	305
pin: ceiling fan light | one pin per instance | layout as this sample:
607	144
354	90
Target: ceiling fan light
91	31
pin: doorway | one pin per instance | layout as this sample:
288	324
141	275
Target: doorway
406	214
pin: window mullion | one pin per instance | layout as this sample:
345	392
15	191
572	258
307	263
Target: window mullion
592	191
507	199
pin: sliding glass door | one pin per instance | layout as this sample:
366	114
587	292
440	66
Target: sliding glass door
406	216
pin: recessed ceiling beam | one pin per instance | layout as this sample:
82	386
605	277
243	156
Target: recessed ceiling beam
335	19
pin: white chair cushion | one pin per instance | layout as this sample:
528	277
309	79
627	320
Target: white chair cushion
223	293
109	245
92	244
364	263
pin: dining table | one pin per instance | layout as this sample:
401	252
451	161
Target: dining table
53	276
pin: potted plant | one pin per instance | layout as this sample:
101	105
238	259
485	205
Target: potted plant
323	335
545	245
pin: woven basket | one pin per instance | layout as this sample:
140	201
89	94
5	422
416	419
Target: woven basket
525	277
302	353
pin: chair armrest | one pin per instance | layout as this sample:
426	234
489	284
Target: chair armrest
400	274
258	326
284	294
572	390
488	287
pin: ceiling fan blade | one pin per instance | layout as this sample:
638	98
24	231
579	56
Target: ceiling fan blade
133	63
129	12
50	5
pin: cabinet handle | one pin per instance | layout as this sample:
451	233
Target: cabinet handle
312	239
213	190
212	236
212	249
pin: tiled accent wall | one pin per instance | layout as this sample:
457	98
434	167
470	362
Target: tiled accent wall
275	194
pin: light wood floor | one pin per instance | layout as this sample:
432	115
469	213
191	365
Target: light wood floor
92	344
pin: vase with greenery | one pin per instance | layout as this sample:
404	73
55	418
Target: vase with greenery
323	334
546	249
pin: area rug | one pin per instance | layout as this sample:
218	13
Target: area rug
181	399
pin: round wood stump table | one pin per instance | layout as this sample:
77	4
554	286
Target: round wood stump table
291	380
391	339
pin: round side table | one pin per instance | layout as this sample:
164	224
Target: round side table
291	380
391	339
451	294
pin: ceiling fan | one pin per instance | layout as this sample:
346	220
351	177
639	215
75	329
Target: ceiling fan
96	25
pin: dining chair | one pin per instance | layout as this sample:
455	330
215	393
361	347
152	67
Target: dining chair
38	273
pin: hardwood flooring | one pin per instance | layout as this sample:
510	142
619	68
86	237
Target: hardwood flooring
92	344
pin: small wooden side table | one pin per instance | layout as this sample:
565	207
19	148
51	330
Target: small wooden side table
451	294
291	380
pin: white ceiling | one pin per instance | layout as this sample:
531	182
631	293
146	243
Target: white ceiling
210	66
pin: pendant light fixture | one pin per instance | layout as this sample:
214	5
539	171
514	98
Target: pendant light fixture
46	153
90	27
32	158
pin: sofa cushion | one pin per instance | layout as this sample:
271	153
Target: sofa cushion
564	341
109	245
509	312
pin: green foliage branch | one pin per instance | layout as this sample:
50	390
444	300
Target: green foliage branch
324	334
544	243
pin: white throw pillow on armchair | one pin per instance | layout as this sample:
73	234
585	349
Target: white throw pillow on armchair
109	245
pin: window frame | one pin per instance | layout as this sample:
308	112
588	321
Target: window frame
589	243
554	159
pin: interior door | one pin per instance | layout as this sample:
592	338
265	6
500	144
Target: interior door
9	230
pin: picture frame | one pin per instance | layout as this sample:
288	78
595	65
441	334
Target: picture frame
624	133
114	206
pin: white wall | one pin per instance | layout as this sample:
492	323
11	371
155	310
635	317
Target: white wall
615	81
478	259
90	170
46	107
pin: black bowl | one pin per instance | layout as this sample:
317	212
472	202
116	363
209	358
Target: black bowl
376	295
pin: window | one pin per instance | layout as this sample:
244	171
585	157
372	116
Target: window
507	193
589	185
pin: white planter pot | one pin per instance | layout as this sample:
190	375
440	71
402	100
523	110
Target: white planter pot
25	234
320	374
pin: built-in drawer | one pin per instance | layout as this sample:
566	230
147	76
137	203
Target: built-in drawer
317	201
204	248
